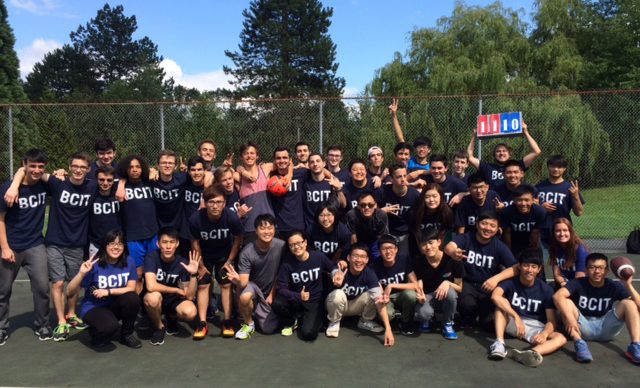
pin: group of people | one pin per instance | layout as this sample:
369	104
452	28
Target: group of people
404	248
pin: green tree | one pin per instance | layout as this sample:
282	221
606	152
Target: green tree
285	51
10	86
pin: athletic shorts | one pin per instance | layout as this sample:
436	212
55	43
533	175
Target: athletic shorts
170	302
262	312
138	249
532	327
64	263
215	267
603	328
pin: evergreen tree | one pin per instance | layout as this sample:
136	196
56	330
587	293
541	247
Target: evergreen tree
10	86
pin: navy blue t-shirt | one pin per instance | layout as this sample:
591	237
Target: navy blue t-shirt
191	203
559	195
450	187
289	209
580	264
494	173
531	302
168	198
168	274
105	216
294	274
356	285
483	260
448	269
352	193
398	223
522	225
316	193
25	219
506	195
467	211
216	237
595	301
69	213
343	176
93	174
139	212
233	201
328	243
105	278
397	274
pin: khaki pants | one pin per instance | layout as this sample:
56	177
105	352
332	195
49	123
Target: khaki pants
338	306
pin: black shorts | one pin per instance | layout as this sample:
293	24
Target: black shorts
170	302
215	267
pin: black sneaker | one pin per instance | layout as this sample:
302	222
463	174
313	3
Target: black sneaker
99	342
4	336
144	323
406	328
43	333
130	341
157	338
172	327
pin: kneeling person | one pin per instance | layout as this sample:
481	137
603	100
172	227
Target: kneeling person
524	308
171	283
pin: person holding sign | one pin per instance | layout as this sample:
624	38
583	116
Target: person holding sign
494	172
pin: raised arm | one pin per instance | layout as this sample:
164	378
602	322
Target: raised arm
535	149
397	129
471	148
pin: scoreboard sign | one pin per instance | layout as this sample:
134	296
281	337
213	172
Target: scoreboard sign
499	124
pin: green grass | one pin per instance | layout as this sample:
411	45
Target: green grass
610	212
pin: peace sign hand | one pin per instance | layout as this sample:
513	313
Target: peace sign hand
574	189
86	266
393	108
338	278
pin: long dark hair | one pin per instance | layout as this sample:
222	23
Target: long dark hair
123	167
444	215
109	237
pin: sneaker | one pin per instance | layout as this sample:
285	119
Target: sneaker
448	332
75	322
370	326
4	336
130	341
529	358
43	333
172	327
245	331
406	328
287	331
425	327
333	330
227	329
633	352
201	331
157	338
98	343
497	351
144	323
61	332
582	351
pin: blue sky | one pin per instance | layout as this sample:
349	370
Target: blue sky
192	34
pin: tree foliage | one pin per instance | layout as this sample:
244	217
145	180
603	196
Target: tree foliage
285	51
10	87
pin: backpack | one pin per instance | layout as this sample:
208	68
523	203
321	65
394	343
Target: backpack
633	241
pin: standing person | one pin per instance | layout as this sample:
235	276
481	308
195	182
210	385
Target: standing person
430	210
319	189
367	223
440	283
207	150
256	278
139	220
217	237
334	158
376	171
398	281
452	187
460	165
397	200
327	234
567	253
524	309
302	150
192	198
558	196
105	214
300	293
494	172
595	308
171	283
168	191
22	245
224	177
480	198
513	178
358	184
105	156
521	223
421	145
289	208
358	293
110	295
483	256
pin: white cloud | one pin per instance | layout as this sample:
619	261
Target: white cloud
34	53
40	7
202	81
350	92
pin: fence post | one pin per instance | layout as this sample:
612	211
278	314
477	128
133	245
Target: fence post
479	139
10	127
321	126
162	127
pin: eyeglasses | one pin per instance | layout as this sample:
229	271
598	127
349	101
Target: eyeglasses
360	257
596	268
367	205
76	167
115	244
298	244
215	203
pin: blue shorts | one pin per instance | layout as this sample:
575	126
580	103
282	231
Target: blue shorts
603	328
138	249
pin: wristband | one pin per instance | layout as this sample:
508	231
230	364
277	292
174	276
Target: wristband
194	275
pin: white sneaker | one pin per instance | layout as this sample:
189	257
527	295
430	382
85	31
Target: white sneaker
370	326
333	330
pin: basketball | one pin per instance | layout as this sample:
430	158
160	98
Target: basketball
622	267
277	185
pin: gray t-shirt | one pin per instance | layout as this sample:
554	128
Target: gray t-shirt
262	267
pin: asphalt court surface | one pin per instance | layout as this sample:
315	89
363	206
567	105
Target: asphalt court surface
354	359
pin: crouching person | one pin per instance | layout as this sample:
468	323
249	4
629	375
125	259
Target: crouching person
171	283
360	295
524	309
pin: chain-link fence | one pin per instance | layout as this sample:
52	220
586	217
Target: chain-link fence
598	133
